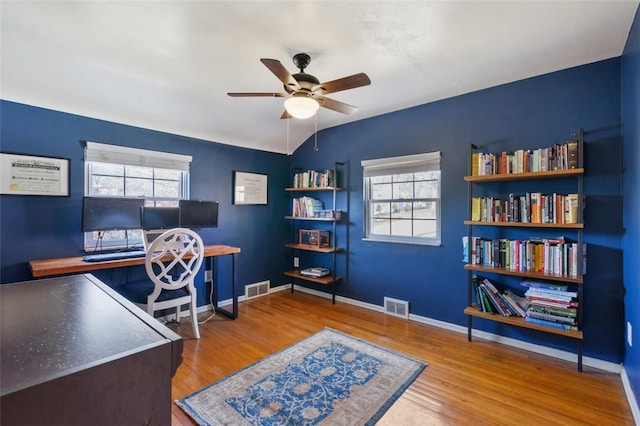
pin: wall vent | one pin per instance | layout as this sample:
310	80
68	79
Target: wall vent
252	291
397	308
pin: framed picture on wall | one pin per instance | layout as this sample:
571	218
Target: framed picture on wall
22	174
249	188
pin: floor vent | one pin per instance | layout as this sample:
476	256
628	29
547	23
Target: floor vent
397	308
256	290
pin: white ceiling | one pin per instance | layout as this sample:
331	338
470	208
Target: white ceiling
167	65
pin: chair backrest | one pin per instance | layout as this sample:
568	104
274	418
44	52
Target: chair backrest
174	259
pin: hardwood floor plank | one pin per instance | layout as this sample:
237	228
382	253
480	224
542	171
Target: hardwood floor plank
477	382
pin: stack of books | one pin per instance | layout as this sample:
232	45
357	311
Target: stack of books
307	207
552	305
314	179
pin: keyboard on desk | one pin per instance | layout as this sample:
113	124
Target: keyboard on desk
118	255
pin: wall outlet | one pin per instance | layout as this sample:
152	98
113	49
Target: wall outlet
296	262
629	334
207	276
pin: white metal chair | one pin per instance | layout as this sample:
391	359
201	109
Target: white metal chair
172	262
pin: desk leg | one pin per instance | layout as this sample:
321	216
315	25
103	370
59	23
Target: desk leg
234	295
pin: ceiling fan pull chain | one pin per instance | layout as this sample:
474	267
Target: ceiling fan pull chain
315	134
288	152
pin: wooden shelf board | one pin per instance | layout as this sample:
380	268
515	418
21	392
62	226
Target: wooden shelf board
320	219
520	322
310	247
526	225
525	176
326	280
536	275
314	188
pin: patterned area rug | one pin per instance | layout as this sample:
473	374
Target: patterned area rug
328	378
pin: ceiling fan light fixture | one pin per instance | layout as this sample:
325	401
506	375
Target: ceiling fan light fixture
301	106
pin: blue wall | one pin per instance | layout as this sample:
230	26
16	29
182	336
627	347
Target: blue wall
631	196
527	114
531	113
35	227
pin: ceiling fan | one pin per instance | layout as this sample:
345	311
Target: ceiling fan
304	92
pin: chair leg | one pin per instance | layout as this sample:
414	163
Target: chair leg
194	322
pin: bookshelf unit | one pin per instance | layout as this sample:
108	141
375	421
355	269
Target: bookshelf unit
327	219
488	222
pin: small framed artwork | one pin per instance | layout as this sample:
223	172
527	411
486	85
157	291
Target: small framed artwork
34	175
249	188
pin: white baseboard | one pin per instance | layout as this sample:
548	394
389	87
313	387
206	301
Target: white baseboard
633	402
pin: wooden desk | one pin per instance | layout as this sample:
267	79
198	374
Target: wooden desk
74	265
75	352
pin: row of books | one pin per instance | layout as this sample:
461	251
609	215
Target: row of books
532	207
556	157
543	303
314	179
307	207
551	256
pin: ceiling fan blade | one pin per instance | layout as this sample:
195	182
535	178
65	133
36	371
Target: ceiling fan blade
351	82
285	115
336	105
281	72
264	95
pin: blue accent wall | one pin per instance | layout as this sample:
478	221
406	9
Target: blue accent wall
528	114
631	197
41	227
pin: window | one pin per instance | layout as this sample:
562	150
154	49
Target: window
116	171
402	199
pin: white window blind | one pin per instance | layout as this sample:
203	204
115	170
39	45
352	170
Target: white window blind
404	164
115	154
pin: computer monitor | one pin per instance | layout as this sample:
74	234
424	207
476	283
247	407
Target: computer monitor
111	213
198	214
160	217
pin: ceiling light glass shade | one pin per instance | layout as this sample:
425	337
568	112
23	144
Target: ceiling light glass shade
301	106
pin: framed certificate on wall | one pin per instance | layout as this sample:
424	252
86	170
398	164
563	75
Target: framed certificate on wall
249	188
34	175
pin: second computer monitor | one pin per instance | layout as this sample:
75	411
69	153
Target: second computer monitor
198	214
160	217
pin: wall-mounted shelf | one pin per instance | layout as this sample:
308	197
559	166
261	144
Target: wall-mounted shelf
483	254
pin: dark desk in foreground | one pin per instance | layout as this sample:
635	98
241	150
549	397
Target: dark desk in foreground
74	352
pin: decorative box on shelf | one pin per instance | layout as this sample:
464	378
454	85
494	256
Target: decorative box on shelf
315	237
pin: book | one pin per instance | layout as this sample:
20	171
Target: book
501	305
515	307
532	313
572	148
551	324
544	285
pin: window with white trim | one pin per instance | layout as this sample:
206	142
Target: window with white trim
115	171
402	199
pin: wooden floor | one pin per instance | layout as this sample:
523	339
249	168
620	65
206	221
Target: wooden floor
479	383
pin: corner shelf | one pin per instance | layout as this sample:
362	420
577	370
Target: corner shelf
333	249
309	247
326	280
319	219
